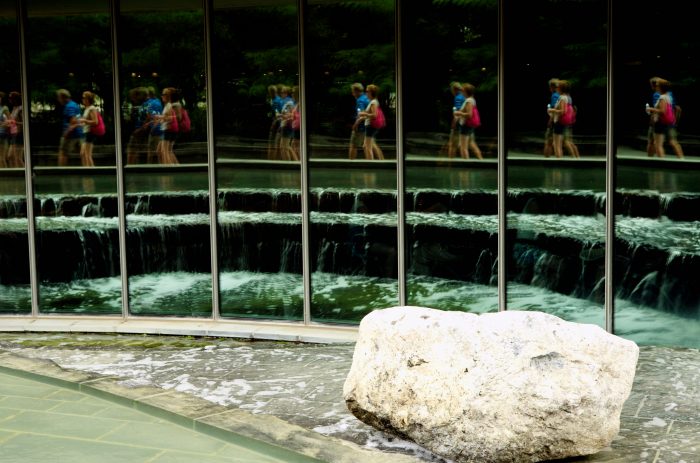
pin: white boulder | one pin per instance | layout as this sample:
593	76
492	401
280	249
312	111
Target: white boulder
500	387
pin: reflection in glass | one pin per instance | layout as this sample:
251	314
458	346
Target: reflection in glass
352	173
656	214
556	163
15	293
257	147
451	167
164	126
75	183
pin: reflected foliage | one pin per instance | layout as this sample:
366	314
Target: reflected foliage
348	42
448	41
71	52
248	62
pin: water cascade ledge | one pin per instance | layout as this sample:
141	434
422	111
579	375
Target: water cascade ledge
632	203
559	253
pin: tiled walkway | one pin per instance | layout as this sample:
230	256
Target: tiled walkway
40	422
301	385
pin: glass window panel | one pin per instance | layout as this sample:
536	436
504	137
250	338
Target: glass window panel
556	168
352	173
15	293
70	82
257	152
167	194
451	167
657	245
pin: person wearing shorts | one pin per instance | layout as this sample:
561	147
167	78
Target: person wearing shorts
357	136
549	132
87	121
71	131
372	149
467	141
457	103
15	153
153	110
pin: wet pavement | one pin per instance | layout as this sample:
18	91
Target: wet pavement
301	384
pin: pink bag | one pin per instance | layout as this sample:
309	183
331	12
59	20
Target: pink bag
475	120
569	115
668	117
99	129
378	122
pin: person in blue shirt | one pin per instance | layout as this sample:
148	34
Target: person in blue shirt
659	130
357	136
286	119
549	133
653	82
136	146
153	109
71	130
457	103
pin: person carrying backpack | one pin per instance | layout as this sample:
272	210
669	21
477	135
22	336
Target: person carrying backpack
374	119
93	127
564	116
468	120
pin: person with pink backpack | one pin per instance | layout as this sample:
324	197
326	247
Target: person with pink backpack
93	127
468	121
374	122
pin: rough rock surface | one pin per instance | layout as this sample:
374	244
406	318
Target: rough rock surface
502	387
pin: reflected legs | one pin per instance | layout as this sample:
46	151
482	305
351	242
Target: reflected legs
673	141
86	155
466	143
4	154
15	155
372	150
659	144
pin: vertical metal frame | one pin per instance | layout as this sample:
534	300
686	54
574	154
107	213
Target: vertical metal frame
28	165
119	156
400	158
211	160
502	168
610	182
304	160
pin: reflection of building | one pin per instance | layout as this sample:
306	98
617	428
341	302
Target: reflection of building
229	233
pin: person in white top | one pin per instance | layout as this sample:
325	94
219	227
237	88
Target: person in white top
15	154
372	150
169	126
88	121
563	137
4	134
467	139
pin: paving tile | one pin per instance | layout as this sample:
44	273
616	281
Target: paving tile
27	403
26	448
669	407
685	437
80	408
6	435
7	412
239	455
37	392
678	457
118	412
641	433
164	436
68	396
41	422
